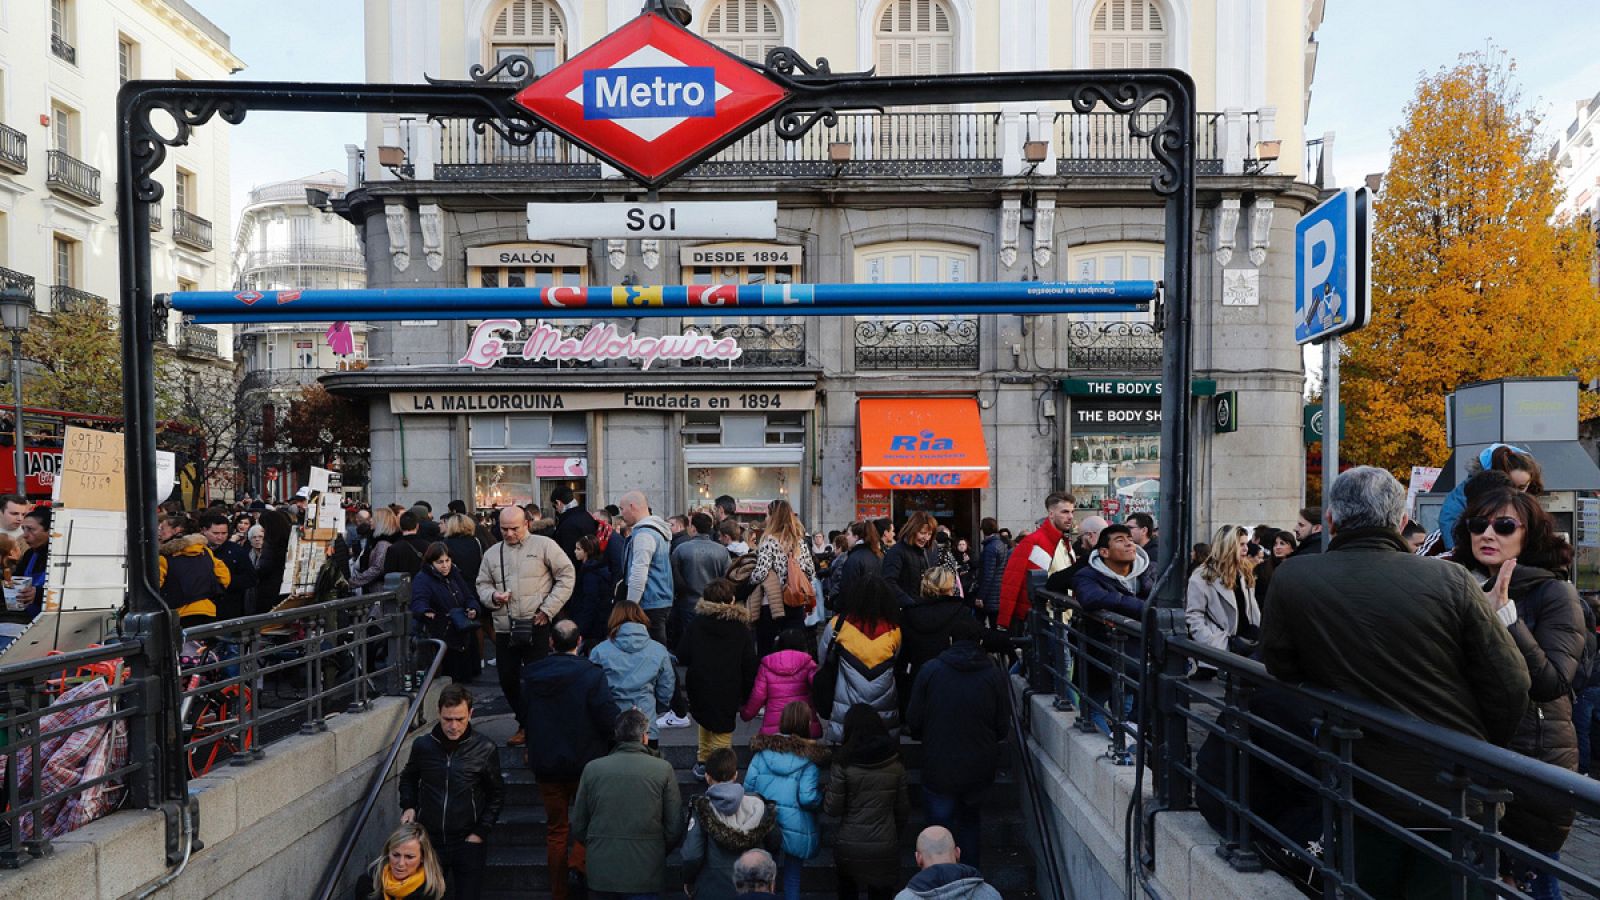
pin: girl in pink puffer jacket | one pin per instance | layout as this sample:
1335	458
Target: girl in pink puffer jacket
785	676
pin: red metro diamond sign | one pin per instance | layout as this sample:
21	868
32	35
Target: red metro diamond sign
651	98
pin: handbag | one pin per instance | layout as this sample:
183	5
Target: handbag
459	620
798	592
521	632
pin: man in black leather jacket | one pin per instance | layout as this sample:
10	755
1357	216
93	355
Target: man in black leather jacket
452	785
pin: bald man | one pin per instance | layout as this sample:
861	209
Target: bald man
943	874
526	580
647	569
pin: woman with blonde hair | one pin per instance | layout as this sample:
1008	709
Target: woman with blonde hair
371	565
409	867
782	554
1221	604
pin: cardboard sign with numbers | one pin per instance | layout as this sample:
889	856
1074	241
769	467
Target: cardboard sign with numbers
92	470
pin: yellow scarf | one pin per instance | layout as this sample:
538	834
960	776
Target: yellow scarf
394	889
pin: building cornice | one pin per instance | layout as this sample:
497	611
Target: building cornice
200	31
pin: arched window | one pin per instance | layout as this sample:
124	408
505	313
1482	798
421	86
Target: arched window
916	37
747	28
531	28
1128	34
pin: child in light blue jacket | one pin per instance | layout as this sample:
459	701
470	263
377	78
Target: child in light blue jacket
786	769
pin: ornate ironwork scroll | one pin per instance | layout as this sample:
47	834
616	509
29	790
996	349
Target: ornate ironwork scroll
1113	346
943	343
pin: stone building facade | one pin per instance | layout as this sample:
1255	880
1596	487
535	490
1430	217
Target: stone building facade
1047	402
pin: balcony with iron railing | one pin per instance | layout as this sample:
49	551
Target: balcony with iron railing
1114	347
72	176
761	346
13	150
305	255
11	280
945	342
191	230
198	339
868	144
62	49
69	299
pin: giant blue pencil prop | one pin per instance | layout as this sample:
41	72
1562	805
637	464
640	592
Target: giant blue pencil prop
1025	297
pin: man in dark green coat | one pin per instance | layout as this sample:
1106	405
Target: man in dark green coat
628	813
1413	634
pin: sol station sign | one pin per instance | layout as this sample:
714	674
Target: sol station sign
652	98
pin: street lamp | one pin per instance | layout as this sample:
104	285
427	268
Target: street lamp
16	309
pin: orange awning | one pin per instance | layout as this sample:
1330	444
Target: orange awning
916	443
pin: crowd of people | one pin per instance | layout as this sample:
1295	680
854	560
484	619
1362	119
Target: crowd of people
607	627
608	630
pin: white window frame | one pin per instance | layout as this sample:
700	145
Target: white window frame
127	58
741	42
1116	261
74	252
963	16
1178	15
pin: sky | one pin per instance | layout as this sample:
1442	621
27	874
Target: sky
1372	52
1370	56
290	40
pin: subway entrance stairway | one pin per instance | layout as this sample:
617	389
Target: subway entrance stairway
516	867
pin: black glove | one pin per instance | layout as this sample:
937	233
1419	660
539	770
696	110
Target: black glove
1242	646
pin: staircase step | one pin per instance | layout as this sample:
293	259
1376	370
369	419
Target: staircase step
682	755
524	827
511	868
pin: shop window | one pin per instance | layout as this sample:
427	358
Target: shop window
786	429
569	430
528	431
752	487
496	484
487	432
703	429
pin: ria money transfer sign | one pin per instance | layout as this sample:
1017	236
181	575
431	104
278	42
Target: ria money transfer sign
1333	267
651	98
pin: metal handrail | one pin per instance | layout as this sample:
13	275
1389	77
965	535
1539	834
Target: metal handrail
347	846
1475	774
1034	794
23	689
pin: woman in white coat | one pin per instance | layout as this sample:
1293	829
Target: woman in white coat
1221	606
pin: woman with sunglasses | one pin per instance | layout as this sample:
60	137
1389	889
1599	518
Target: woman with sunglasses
1507	539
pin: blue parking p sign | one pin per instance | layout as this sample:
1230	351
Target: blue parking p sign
1333	267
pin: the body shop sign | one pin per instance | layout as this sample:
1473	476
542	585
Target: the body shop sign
1114	417
495	339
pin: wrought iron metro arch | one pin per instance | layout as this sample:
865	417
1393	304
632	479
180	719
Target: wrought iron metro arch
816	96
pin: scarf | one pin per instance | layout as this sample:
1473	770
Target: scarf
395	889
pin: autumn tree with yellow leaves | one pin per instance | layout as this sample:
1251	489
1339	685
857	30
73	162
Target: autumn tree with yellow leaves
1473	277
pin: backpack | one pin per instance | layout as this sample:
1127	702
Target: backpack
1588	670
826	680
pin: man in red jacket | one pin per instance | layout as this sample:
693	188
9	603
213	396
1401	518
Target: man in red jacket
1047	549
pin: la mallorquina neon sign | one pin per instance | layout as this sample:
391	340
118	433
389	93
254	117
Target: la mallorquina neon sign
493	340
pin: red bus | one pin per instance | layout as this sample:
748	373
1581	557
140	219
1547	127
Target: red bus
44	432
